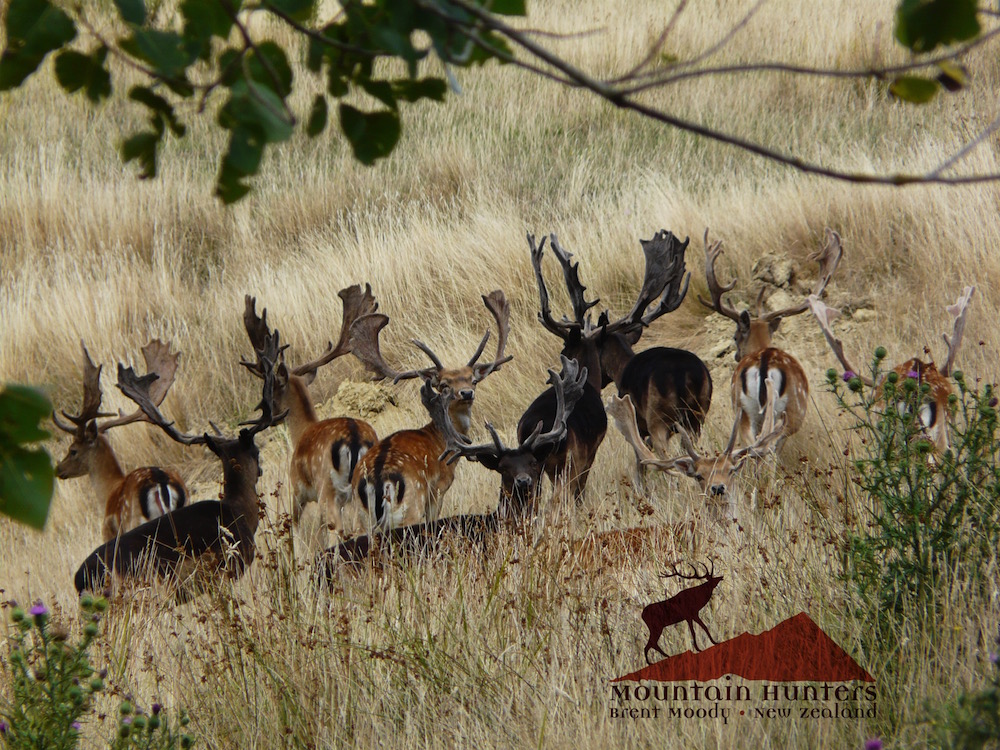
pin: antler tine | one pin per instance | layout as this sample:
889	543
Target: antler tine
364	344
957	311
434	358
623	413
571	273
91	407
138	389
712	253
569	385
674	573
161	361
665	278
544	311
828	259
357	303
770	431
268	357
496	303
257	330
825	316
732	435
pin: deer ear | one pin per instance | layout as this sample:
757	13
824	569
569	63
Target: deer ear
91	429
772	325
744	322
490	460
686	465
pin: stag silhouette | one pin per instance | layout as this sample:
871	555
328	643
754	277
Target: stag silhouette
681	607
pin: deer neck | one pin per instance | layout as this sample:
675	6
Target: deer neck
615	355
239	489
758	338
105	471
461	416
301	413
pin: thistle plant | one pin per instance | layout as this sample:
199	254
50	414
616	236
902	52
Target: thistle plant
926	514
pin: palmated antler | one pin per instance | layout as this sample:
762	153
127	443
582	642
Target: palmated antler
665	278
161	362
568	385
364	343
828	258
357	302
770	432
577	291
957	311
139	388
91	408
825	316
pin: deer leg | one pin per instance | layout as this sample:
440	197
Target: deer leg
693	639
698	620
654	644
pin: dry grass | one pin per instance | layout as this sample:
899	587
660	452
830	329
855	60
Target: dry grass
514	646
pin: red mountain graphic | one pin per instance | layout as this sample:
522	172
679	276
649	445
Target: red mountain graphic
796	650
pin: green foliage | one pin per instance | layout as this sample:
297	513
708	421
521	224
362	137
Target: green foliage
914	89
53	684
34	28
923	25
25	473
972	720
928	515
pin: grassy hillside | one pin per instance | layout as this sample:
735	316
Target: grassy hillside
514	645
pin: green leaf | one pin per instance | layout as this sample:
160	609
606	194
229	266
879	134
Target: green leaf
246	148
922	25
381	90
423	88
269	65
162	112
914	89
255	106
508	7
953	76
300	10
204	19
317	117
21	410
166	51
34	28
76	71
26	481
142	148
132	11
372	135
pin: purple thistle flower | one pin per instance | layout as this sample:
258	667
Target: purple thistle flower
848	375
76	725
873	743
156	707
916	376
3	727
994	658
127	720
38	609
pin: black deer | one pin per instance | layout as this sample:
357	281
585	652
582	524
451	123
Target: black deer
682	607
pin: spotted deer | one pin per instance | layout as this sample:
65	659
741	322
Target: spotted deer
715	474
933	411
671	387
402	479
756	358
141	494
325	452
208	538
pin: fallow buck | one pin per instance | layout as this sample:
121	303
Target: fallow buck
671	387
204	539
520	469
756	358
144	493
685	606
933	411
714	474
402	479
325	452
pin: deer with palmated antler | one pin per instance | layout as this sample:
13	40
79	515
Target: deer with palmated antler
520	468
935	403
325	452
671	387
208	537
143	493
402	479
714	474
756	357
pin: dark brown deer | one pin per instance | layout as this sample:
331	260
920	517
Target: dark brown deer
682	607
325	452
933	412
670	387
144	493
402	480
205	538
755	356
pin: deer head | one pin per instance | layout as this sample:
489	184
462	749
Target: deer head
753	333
86	430
462	381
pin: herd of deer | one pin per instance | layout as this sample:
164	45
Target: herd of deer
390	490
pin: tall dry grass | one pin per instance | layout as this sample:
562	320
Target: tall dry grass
512	645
